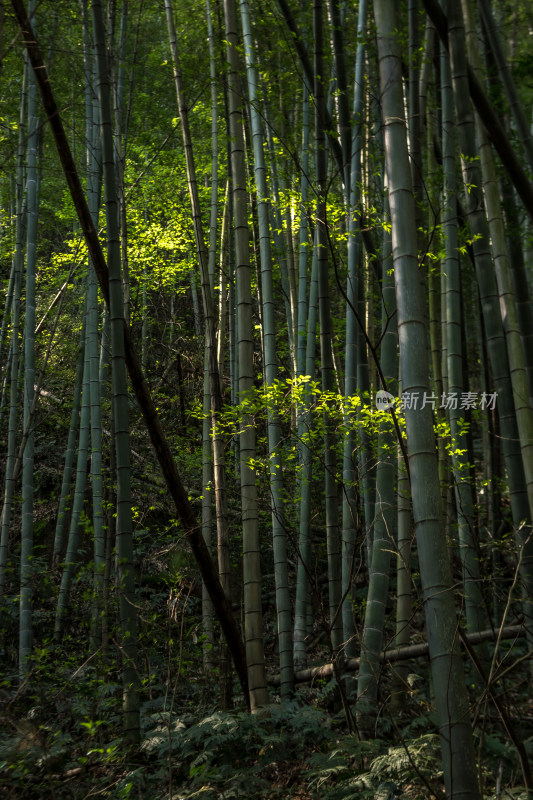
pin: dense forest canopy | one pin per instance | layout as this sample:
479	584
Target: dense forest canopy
267	399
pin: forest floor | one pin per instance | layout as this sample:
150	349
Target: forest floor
301	749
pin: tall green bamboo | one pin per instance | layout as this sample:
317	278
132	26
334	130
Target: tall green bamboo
145	401
206	266
124	536
26	549
307	318
117	65
516	248
93	197
71	556
384	533
281	215
17	267
207	516
337	13
280	241
493	34
279	536
207	449
414	120
474	604
303	237
490	301
326	333
7	306
7	371
70	454
365	456
349	472
251	546
523	409
404	581
457	745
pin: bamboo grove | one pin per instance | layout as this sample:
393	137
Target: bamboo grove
267	325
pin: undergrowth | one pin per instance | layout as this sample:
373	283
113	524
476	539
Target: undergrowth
290	750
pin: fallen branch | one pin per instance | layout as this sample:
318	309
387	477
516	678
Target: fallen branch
405	653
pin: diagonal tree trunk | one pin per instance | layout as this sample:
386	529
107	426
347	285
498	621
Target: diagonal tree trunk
488	115
493	34
144	399
509	314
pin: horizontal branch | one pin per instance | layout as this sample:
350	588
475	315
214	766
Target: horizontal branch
405	653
